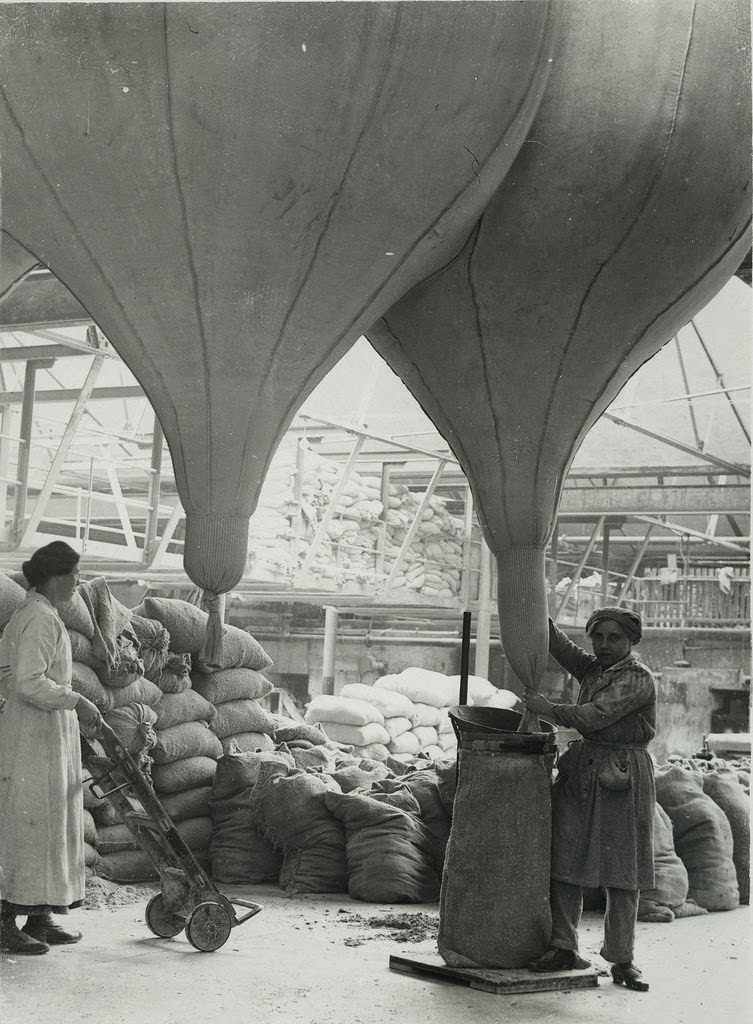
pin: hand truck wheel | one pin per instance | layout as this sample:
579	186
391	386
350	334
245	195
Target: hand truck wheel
209	926
159	919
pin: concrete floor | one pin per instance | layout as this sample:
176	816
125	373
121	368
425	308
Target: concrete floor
303	961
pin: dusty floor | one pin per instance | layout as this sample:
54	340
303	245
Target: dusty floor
324	960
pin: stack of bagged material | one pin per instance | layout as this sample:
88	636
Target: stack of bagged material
346	555
388	851
702	836
186	626
433	563
291	813
354	723
270	535
724	787
220	708
240	721
397	711
669	897
432	694
239	852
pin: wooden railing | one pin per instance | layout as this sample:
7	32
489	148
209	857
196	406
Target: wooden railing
696	599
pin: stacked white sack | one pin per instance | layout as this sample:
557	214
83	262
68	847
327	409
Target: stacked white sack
270	540
398	712
347	554
352	722
432	695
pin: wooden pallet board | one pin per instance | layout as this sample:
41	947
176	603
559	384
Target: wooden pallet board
487	979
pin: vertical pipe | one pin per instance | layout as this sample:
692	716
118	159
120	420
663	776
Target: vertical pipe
330	647
605	564
465	656
155	487
483	623
24	448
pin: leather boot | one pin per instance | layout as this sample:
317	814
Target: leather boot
44	929
14	940
629	975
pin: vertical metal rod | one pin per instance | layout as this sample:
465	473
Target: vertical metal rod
628	581
330	648
606	530
465	580
24	448
686	385
155	487
58	461
465	657
720	380
484	614
89	498
579	569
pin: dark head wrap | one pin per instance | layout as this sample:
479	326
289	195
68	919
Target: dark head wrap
630	622
55	559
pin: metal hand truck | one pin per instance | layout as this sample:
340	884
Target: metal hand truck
189	898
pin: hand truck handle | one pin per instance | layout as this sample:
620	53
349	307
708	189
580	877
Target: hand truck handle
253	908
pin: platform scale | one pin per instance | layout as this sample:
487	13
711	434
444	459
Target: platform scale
499	981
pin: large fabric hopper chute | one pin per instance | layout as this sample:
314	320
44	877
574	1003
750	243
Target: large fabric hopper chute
236	191
626	210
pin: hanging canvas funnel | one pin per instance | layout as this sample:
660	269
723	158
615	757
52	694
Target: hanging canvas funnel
626	210
15	263
235	191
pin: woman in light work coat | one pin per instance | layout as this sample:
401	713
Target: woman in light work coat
604	795
41	798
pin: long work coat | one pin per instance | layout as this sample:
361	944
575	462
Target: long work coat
41	798
604	796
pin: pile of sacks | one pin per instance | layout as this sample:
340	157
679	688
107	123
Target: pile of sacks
701	839
402	715
283	527
315	819
192	714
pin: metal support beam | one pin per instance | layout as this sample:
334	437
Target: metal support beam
466	595
615	500
167	535
22	353
71	394
731	467
605	562
67	439
331	508
155	486
720	381
634	566
684	531
125	519
329	653
25	438
686	386
483	615
579	569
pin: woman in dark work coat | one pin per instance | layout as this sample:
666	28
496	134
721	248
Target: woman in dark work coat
603	798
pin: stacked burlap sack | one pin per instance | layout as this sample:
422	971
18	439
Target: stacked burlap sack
190	732
712	839
329	823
